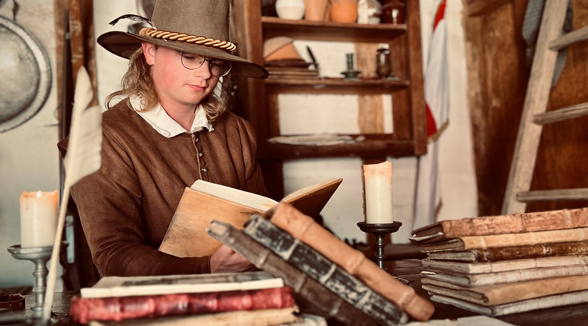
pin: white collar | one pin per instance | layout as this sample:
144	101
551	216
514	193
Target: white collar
164	124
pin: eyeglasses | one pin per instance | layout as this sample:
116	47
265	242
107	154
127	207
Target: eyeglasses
217	67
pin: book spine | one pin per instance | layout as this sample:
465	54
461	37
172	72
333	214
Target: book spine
323	270
526	275
533	251
521	239
506	265
84	310
516	307
329	304
354	262
516	223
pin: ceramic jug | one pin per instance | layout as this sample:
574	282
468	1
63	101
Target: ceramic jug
290	9
344	11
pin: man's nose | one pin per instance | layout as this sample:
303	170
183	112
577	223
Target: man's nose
204	70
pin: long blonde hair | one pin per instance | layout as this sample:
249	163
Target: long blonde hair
137	81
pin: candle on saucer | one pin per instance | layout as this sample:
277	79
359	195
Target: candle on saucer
38	218
378	193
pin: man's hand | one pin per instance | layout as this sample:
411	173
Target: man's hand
225	260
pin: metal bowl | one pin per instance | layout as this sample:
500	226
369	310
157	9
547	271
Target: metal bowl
25	75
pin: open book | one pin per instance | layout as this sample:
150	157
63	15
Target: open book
205	201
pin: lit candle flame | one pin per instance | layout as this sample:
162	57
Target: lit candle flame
39	194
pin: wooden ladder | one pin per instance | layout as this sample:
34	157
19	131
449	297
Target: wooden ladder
549	42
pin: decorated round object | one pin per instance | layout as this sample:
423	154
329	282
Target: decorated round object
26	75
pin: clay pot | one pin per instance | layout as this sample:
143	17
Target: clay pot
290	9
316	10
344	11
280	48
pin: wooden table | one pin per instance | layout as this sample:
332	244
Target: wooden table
61	302
576	315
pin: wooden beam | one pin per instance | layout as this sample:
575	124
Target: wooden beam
59	8
415	71
249	38
569	38
553	195
401	110
561	114
76	37
525	154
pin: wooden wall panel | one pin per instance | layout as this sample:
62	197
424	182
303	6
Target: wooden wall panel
497	82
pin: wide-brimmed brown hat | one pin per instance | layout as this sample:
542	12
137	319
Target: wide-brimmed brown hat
193	26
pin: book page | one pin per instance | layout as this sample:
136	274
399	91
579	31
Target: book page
235	195
298	193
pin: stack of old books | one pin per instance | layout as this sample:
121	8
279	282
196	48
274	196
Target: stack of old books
500	265
327	274
253	298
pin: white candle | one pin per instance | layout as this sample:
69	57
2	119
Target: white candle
38	218
378	192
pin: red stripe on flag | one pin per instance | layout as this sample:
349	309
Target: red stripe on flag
431	124
440	14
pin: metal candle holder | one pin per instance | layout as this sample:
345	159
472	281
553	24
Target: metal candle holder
380	230
39	256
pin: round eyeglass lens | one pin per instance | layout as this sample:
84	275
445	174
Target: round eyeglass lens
217	67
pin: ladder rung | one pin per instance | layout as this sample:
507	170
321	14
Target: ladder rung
569	38
553	195
561	114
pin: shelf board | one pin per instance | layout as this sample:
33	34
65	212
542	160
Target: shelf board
367	148
330	31
334	86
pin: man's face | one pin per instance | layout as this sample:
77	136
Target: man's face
175	84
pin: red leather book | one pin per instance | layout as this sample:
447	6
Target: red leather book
84	310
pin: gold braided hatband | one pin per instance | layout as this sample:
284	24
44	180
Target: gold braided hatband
180	37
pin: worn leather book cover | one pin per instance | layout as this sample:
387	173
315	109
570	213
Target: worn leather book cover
557	300
515	252
318	297
508	240
205	201
83	310
352	261
497	294
505	277
502	224
324	271
504	266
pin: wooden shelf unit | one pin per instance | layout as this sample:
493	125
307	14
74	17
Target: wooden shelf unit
259	98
